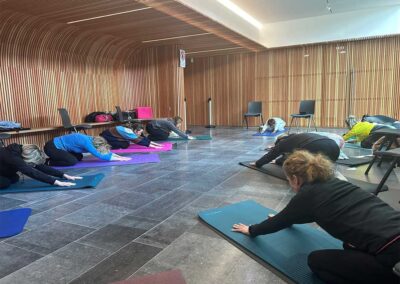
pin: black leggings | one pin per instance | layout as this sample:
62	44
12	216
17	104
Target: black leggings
156	134
5	182
373	137
61	158
114	142
353	266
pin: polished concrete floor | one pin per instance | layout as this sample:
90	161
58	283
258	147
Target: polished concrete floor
142	219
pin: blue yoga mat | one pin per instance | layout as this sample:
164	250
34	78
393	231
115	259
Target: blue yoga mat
270	134
34	185
12	222
199	137
286	250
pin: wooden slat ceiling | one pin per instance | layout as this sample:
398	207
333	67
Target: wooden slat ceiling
134	21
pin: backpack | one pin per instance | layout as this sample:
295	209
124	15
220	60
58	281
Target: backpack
103	118
91	117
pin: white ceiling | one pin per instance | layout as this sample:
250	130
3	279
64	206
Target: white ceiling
270	11
300	22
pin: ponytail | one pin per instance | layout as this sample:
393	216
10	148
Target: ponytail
309	167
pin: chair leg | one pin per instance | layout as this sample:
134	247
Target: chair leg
247	123
370	164
290	126
309	123
262	120
315	126
385	177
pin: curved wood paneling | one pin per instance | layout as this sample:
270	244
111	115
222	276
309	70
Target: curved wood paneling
361	80
45	66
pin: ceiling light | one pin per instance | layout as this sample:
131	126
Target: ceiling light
241	13
212	50
109	15
175	37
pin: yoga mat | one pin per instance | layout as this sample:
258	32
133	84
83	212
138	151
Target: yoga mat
367	186
355	161
134	148
93	162
34	185
166	277
200	137
286	250
269	169
12	222
270	134
353	145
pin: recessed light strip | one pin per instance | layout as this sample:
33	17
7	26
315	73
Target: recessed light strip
241	13
109	15
175	37
212	50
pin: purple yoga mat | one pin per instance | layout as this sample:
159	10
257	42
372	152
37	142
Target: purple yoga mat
93	162
167	146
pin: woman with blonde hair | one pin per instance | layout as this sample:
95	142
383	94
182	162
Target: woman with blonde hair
28	160
368	227
67	150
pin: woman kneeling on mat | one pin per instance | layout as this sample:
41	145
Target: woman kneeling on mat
364	132
67	150
308	141
368	227
273	125
161	129
121	137
28	160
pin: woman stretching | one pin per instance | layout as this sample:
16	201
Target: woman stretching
121	137
67	150
308	141
368	227
28	160
161	129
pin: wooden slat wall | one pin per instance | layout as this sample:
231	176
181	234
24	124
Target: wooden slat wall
362	80
44	66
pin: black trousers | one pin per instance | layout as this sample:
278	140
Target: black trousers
156	134
353	266
6	181
113	141
373	137
59	157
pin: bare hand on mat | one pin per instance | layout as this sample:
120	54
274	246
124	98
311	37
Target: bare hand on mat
115	157
71	177
252	163
241	228
63	183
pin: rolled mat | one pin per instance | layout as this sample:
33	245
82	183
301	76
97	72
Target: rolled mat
269	169
134	148
199	137
286	250
12	222
165	277
93	162
355	161
30	185
269	134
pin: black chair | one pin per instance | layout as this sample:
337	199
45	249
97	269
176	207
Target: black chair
66	121
307	109
254	109
121	118
2	137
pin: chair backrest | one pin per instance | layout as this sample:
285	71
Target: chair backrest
66	121
307	107
119	114
254	107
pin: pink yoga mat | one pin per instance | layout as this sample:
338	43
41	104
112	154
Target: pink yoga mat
166	277
93	162
167	146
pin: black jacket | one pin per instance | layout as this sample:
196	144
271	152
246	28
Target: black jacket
306	141
345	211
11	162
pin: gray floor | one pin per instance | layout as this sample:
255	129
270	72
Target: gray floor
143	218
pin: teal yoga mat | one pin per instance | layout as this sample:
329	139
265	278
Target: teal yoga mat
34	185
286	250
200	137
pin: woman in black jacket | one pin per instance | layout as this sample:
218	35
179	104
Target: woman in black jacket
28	160
311	142
368	227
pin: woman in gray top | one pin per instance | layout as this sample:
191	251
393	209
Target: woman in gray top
161	129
